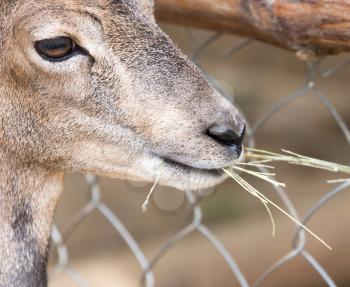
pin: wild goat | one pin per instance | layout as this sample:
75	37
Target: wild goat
95	86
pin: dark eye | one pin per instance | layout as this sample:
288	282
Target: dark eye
57	49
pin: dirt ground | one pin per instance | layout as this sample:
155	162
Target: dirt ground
260	75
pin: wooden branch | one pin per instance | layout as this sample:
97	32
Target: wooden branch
310	27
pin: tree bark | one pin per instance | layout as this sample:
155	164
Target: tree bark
310	27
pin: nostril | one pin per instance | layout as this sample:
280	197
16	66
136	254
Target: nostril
226	135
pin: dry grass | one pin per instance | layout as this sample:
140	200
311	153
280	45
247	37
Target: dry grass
261	158
146	202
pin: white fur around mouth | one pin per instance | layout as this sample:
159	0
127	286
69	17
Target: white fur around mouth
178	165
214	172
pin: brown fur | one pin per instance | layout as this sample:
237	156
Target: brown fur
134	101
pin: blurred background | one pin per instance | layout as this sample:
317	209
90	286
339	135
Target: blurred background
258	76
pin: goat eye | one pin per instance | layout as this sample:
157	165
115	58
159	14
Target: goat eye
56	49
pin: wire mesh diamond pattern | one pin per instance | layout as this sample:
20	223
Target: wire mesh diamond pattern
313	75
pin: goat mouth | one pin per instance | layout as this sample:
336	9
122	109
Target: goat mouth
174	164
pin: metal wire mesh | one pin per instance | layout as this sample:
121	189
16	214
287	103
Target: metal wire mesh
314	74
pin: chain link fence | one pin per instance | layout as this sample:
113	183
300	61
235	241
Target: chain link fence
314	74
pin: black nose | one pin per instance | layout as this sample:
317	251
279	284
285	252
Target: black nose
226	134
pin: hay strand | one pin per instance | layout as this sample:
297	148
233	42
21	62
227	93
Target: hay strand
296	159
146	202
261	157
